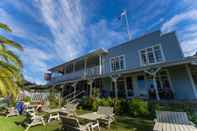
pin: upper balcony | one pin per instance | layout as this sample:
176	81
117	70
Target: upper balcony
90	65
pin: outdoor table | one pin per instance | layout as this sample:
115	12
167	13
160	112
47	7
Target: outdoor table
53	114
93	116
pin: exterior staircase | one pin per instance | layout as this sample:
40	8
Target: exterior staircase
73	97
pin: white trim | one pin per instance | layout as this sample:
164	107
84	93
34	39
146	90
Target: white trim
100	64
192	81
170	80
146	55
124	60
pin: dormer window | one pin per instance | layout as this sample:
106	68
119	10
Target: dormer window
151	55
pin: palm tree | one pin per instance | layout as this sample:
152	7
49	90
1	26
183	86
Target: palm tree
10	65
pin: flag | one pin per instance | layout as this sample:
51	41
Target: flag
122	14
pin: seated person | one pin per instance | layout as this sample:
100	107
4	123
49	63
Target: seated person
39	107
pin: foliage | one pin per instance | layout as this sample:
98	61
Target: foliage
53	100
92	103
27	99
138	107
194	117
10	65
152	107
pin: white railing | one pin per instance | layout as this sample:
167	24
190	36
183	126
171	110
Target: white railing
93	71
89	72
69	76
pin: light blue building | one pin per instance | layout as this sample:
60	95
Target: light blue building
150	66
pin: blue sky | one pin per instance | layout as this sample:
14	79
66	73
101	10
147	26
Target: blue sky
55	31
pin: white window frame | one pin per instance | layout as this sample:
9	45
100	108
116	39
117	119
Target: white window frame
148	63
124	66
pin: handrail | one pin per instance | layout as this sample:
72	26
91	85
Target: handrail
74	95
69	95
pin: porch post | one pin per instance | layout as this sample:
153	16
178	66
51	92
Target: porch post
90	83
191	80
114	79
155	86
100	64
61	94
85	67
125	86
74	66
153	73
74	85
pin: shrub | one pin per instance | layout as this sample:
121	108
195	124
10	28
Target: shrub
120	106
27	99
152	107
54	101
194	117
92	103
138	107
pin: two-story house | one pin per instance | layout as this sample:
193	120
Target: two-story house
150	66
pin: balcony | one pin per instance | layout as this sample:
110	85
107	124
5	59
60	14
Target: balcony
87	66
89	72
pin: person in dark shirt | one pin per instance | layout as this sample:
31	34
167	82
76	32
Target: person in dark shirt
152	93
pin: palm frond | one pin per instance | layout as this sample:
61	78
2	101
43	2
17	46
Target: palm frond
11	68
5	41
5	27
11	57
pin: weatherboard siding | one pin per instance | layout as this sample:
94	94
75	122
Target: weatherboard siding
168	42
181	83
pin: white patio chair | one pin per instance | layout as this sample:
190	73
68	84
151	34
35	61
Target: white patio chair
33	120
108	115
12	112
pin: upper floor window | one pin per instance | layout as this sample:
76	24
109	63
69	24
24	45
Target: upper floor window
118	63
69	68
151	55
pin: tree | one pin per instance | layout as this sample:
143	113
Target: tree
10	65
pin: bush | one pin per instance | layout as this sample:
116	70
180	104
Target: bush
54	101
152	107
92	103
194	117
138	107
120	106
27	99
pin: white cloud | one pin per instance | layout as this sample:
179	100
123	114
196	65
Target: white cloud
187	35
65	22
35	63
104	36
171	24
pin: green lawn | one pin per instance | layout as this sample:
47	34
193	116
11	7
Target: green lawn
121	124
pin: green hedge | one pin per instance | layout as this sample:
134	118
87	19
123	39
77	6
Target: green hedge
134	107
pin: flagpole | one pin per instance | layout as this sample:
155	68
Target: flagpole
127	24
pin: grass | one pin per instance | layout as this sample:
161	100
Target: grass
122	123
10	124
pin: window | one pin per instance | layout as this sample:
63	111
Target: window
158	55
69	68
118	63
151	55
